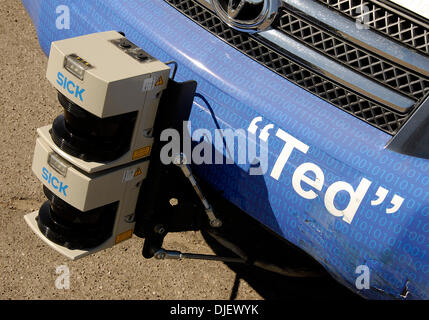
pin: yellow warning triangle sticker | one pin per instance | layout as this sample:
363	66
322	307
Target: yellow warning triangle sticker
160	82
138	172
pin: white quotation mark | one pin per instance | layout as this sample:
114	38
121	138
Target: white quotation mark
63	280
381	196
265	132
63	20
262	160
362	22
362	282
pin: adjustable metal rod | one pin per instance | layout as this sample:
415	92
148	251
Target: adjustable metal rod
285	271
181	161
162	254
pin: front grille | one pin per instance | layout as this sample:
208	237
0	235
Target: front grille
394	25
405	81
367	110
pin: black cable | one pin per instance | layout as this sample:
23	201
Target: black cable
175	67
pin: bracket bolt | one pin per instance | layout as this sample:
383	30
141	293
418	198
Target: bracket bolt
159	229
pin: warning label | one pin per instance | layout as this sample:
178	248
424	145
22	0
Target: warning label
141	153
160	82
138	172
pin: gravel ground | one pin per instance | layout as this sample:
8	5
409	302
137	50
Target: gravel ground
28	266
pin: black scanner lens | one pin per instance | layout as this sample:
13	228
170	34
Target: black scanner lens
67	226
86	136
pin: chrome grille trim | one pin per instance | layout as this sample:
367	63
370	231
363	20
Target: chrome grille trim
407	82
369	39
391	23
337	72
364	108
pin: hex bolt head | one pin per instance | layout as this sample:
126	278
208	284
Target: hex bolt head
124	43
160	255
142	56
159	229
216	223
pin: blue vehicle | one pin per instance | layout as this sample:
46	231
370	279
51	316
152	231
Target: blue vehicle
336	94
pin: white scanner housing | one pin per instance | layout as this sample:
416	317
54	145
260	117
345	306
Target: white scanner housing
105	75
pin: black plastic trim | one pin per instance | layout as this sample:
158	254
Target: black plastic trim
413	138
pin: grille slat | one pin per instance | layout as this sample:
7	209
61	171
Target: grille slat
377	115
380	69
395	26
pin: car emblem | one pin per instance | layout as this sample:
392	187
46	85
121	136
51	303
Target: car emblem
247	15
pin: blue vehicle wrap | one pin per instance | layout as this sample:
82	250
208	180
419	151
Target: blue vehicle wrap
380	222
